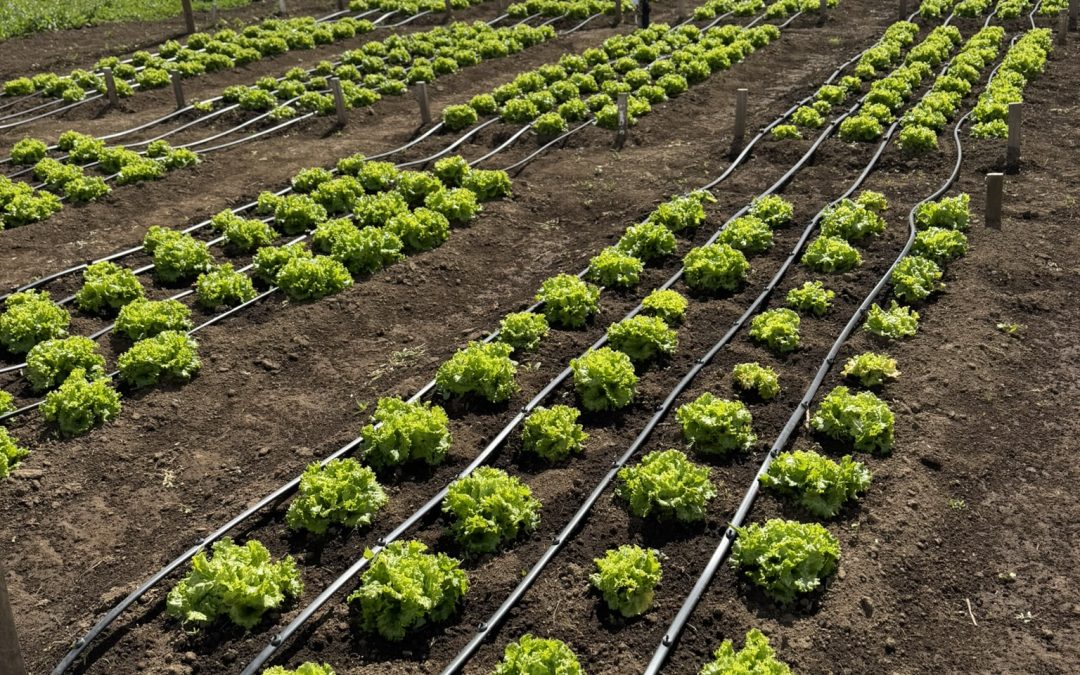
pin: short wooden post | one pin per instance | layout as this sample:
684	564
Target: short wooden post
425	104
1012	151
110	86
680	12
738	136
177	89
903	10
823	12
341	5
339	101
1063	30
621	106
1074	9
449	13
995	189
281	7
189	16
213	14
618	13
11	660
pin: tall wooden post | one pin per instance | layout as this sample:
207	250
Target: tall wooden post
425	104
178	89
995	189
1012	150
738	136
110	86
189	16
11	660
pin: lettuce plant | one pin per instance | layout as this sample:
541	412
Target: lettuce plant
951	213
107	287
776	328
627	577
11	454
553	433
665	304
483	370
523	330
50	362
642	338
141	319
295	214
244	235
811	298
682	213
406	432
816	483
894	323
756	379
871	369
238	582
310	278
341	492
487	184
378	209
851	221
666	485
783	132
168	356
716	426
747	234
614	268
940	245
861	421
785	558
31	317
550	125
457	117
647	241
568	301
604	379
28	151
223	286
489	508
420	230
307	180
831	254
915	278
177	256
451	170
755	657
405	588
7	402
269	260
715	267
458	205
773	210
80	404
306	668
532	655
366	250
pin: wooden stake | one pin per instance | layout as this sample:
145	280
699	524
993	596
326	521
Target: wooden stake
110	86
213	14
1074	9
618	13
621	107
177	89
680	13
341	4
1012	151
1063	30
903	10
189	16
449	13
281	7
11	660
422	99
339	101
995	188
823	12
739	133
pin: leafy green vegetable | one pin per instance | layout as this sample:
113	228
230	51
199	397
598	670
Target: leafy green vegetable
458	205
50	362
627	577
604	379
755	658
756	378
817	483
451	170
778	328
862	420
405	588
420	230
538	656
177	256
747	234
487	184
785	131
171	355
7	402
523	330
304	277
812	297
951	213
484	370
340	493
668	305
80	404
871	369
647	241
666	485
141	318
894	323
307	668
223	286
915	278
715	267
716	426
241	583
28	151
269	260
682	213
831	254
489	508
366	250
851	221
568	301
785	558
11	454
406	432
642	338
107	286
553	433
940	245
614	268
31	317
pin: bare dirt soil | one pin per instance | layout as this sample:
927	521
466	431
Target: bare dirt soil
981	483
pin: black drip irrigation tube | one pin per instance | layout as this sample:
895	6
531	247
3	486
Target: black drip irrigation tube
288	488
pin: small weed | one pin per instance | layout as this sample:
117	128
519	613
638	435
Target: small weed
957	504
1011	329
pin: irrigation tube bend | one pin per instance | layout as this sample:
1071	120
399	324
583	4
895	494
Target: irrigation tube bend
720	554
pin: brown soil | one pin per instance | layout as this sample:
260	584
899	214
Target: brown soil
280	385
